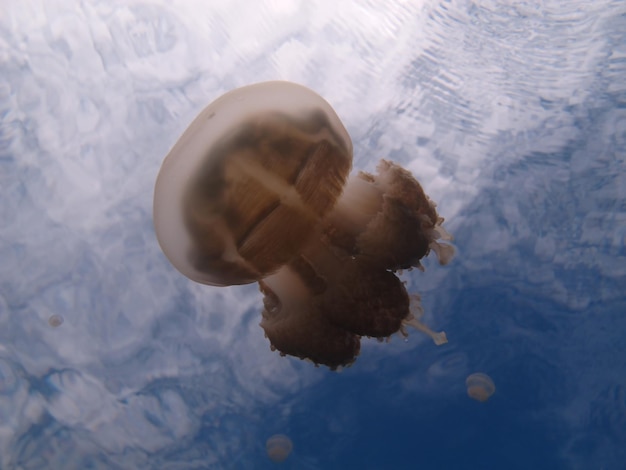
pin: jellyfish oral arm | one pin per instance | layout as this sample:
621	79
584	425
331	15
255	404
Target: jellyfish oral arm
388	219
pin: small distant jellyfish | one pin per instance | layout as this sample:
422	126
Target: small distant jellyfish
278	448
258	189
480	386
55	320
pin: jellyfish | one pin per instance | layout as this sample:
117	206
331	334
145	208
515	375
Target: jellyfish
480	386
258	189
55	320
278	447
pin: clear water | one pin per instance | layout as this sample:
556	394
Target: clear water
511	113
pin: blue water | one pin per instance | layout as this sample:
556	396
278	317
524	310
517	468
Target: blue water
512	114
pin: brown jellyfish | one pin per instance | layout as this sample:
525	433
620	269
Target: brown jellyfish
278	448
480	387
55	320
257	189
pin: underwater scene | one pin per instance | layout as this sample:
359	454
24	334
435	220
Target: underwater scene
313	235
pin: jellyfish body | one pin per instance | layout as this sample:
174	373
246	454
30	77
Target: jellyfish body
480	387
258	189
55	320
278	447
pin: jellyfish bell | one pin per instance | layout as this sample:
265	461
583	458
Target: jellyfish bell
480	387
278	447
243	189
55	320
258	189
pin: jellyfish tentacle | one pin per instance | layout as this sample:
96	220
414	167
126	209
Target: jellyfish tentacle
414	320
443	251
